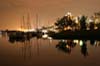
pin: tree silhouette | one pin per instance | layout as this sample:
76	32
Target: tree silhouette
92	26
97	16
64	22
98	25
82	21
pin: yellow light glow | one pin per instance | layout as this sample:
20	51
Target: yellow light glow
95	27
19	29
67	46
45	36
65	28
81	43
26	30
76	41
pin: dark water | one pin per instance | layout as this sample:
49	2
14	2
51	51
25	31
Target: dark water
40	52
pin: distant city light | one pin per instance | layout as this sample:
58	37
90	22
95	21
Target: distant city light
90	20
68	14
26	30
97	21
44	31
76	20
76	41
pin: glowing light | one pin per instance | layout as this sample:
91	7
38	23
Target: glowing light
67	46
50	38
63	40
95	27
97	21
97	43
45	36
26	30
76	41
19	29
76	20
69	28
65	28
44	31
90	20
54	30
68	14
81	43
31	30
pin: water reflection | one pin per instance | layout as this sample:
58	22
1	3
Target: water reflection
3	34
92	42
37	52
13	39
67	45
84	48
95	43
27	49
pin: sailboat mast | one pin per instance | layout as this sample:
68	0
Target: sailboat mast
23	22
28	22
37	21
21	25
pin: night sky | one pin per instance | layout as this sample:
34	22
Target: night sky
12	11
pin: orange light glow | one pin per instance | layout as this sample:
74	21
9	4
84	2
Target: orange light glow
67	46
26	30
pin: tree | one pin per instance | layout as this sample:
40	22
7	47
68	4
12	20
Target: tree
64	22
98	25
92	26
82	21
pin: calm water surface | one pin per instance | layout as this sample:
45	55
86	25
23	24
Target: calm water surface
40	52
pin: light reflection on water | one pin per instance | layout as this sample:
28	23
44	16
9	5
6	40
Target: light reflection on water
40	52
